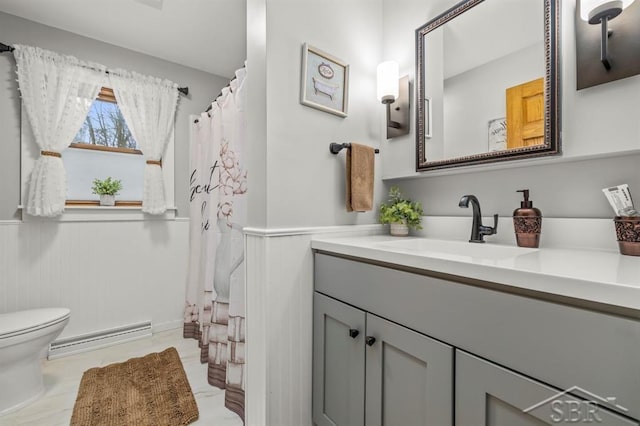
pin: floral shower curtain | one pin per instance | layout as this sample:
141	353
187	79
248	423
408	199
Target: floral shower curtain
214	307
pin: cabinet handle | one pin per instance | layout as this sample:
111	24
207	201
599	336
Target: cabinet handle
353	333
370	340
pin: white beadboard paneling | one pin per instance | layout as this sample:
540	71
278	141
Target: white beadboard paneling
257	291
280	321
292	273
109	274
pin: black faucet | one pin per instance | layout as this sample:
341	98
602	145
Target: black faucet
478	231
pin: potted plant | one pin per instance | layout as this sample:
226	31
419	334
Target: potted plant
107	189
400	213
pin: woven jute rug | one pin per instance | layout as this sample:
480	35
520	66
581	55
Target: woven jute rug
151	390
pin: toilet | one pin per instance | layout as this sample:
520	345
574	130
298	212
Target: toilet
24	339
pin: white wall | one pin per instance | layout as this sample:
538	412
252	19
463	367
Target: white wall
109	274
596	122
304	181
280	321
294	181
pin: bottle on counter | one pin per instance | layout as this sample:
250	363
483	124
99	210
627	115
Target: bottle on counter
527	222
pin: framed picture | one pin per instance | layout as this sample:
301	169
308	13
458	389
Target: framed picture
497	134
325	81
427	117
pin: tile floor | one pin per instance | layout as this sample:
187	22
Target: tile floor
62	377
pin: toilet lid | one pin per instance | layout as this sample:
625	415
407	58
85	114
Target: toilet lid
18	322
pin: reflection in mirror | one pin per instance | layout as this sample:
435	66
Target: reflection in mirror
487	78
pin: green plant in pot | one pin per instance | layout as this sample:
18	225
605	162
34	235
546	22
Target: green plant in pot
400	213
107	189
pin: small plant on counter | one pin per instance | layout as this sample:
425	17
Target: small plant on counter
108	186
400	210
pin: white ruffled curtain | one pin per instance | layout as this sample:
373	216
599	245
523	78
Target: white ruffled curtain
148	105
57	92
214	308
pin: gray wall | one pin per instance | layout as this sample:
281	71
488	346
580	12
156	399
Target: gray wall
599	123
570	189
203	87
299	183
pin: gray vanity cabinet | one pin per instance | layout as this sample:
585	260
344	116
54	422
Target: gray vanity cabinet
407	377
338	362
525	351
489	395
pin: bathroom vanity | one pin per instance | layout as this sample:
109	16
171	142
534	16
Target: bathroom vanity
429	332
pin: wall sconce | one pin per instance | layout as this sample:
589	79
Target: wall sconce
601	12
393	92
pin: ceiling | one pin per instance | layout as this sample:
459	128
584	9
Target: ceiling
209	35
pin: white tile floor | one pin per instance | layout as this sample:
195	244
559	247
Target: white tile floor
62	378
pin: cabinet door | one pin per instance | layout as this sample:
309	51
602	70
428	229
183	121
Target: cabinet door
338	363
487	394
409	377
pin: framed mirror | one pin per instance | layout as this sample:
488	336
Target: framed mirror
488	83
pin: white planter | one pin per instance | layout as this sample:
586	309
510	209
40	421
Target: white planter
107	200
398	229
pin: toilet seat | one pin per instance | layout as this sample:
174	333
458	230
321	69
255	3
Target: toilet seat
17	323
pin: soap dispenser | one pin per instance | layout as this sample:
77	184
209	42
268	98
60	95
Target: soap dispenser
527	222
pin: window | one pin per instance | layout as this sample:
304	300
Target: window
104	147
85	161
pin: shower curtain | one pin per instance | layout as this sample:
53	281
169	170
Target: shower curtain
214	307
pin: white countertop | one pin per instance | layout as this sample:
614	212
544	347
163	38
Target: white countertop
598	276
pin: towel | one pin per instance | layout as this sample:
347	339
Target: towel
359	177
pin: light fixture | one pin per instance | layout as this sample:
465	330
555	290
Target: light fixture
601	12
394	93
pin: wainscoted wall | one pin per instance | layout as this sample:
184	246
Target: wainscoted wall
279	324
109	274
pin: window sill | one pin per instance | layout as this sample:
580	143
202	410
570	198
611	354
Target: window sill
101	214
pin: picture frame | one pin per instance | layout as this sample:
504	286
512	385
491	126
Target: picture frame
427	118
497	134
325	81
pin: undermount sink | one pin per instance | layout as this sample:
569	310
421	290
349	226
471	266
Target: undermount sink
456	248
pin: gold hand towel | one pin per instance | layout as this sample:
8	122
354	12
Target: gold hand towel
359	177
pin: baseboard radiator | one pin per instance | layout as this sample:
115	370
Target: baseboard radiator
99	339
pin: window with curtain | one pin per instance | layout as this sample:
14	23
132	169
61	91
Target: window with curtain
68	111
84	162
103	147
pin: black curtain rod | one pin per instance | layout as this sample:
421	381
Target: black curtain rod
7	48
